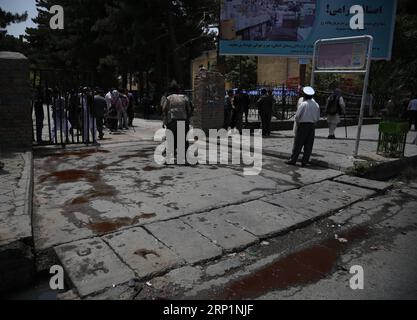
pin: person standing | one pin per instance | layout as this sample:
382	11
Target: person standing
412	112
307	116
237	113
177	109
89	124
59	116
245	105
334	108
265	104
113	114
74	110
228	107
99	110
131	108
123	117
39	115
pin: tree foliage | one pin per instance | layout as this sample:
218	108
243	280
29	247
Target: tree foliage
397	78
7	18
8	42
120	37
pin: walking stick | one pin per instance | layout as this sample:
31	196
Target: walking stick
346	130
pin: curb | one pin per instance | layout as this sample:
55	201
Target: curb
17	257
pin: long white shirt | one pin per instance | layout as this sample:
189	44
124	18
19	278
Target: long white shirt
108	98
412	105
308	112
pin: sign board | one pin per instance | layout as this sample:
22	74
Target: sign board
351	54
342	54
290	28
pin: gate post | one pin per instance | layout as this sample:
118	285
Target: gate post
15	108
209	94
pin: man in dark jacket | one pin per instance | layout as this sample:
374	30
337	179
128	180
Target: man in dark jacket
39	114
228	107
245	104
99	110
265	104
237	113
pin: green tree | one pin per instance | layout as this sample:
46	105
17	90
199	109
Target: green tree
397	78
7	18
241	71
8	42
116	38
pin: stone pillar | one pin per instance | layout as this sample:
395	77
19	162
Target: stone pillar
209	94
15	106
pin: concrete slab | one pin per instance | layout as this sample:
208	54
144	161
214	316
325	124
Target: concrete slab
17	261
186	242
142	252
274	168
260	218
169	202
222	267
16	198
184	278
119	188
224	234
364	183
92	266
319	199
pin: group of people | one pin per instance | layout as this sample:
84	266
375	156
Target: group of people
83	111
237	106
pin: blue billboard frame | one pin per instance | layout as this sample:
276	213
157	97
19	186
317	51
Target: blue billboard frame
332	18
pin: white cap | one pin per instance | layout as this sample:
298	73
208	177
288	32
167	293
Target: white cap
309	91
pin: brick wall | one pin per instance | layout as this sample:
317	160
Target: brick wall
209	93
15	106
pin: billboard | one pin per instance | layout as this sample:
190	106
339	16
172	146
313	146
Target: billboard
291	27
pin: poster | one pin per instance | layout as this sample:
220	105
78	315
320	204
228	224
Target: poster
290	28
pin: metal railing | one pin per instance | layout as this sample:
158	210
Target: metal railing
61	109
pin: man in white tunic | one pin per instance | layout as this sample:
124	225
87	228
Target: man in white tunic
307	116
335	107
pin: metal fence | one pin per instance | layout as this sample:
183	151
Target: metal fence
62	108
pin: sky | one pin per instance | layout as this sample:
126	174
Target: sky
20	6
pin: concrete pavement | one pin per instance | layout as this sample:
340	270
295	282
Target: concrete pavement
125	227
16	255
112	208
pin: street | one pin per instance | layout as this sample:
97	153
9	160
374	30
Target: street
124	227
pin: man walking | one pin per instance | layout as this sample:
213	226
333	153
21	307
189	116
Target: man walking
265	104
334	108
307	116
228	107
177	110
412	112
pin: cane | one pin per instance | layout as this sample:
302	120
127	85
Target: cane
346	129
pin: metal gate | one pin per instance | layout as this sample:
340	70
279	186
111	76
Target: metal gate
62	105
